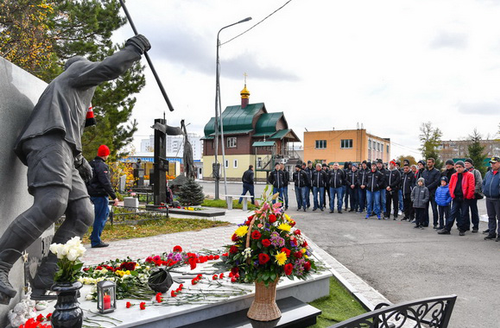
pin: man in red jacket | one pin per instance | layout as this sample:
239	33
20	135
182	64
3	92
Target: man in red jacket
462	186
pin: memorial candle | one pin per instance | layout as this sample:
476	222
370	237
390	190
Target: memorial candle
107	302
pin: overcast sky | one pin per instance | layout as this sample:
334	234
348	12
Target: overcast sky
389	65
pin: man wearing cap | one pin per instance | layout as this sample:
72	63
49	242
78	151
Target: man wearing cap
491	189
474	212
432	178
50	146
301	187
461	191
450	169
393	180
99	188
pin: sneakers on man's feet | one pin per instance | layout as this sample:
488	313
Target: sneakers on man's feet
475	230
486	232
461	233
490	237
331	211
498	239
443	232
340	211
100	245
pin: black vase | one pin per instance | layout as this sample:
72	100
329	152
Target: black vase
160	280
67	312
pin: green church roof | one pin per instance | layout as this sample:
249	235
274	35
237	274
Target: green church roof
235	119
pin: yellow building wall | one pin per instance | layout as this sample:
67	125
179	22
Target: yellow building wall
333	152
232	172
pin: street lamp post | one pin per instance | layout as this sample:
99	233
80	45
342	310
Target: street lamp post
216	166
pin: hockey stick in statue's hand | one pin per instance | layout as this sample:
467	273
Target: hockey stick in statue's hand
163	92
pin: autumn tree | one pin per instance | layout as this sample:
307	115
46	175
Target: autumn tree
476	151
430	139
40	36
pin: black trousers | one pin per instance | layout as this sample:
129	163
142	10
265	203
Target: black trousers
392	197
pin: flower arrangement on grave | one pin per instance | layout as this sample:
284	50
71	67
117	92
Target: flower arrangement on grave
268	246
265	247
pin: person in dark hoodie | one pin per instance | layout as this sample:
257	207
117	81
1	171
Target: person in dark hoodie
302	184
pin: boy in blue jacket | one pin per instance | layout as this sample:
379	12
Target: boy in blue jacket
443	201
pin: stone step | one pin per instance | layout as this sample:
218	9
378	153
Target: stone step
294	314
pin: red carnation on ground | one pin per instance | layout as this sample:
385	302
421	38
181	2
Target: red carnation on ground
263	258
128	305
142	306
159	297
288	269
178	249
256	235
272	218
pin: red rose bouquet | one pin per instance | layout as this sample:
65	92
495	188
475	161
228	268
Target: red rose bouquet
268	246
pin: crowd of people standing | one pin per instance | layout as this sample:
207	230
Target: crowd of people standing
405	191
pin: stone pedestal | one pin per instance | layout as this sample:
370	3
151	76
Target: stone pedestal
19	91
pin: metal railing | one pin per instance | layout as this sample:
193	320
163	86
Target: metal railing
432	312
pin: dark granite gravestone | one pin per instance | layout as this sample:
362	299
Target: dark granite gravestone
19	91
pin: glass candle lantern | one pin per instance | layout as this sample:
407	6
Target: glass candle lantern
106	296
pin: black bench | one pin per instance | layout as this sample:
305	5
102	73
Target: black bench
433	312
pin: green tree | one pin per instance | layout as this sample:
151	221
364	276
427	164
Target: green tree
476	151
191	193
67	28
430	139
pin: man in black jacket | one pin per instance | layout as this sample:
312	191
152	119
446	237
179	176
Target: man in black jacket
393	180
407	184
301	187
50	146
318	183
100	188
374	185
432	178
277	179
248	182
353	186
336	181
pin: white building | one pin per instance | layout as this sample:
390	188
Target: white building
175	145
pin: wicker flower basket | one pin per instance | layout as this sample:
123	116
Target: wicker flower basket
264	307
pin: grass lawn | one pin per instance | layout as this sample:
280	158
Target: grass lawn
340	305
221	203
153	228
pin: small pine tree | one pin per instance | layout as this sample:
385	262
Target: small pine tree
191	193
476	152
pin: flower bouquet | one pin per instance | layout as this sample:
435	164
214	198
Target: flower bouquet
67	312
265	247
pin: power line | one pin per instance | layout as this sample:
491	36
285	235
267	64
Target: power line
274	12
